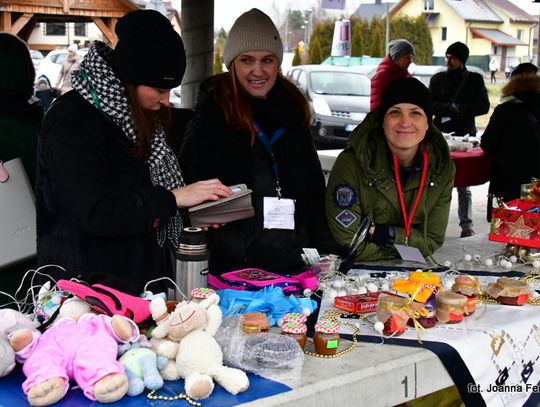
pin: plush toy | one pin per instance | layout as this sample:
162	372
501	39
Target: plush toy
11	321
186	338
142	365
79	347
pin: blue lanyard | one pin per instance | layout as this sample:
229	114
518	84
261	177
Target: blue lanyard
268	145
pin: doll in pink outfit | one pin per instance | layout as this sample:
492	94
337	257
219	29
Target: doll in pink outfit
81	349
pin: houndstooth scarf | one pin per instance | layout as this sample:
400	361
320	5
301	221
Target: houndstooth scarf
97	83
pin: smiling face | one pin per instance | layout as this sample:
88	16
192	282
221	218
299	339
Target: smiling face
257	72
152	98
405	126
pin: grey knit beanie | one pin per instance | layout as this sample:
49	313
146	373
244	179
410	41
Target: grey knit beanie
252	31
400	48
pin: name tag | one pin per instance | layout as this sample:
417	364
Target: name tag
278	213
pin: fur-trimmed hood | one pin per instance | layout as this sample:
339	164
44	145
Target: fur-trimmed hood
522	85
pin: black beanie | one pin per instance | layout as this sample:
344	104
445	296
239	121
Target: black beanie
459	50
149	51
406	90
525	68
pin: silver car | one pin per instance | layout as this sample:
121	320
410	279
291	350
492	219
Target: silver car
338	98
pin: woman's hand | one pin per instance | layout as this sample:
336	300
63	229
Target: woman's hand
199	192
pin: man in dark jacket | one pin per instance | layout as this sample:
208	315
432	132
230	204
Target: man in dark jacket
458	97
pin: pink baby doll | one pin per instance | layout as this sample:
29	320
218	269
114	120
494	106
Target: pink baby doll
76	347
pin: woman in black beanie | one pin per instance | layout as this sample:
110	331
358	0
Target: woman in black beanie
398	171
108	185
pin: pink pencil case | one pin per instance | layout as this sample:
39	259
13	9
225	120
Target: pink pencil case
252	279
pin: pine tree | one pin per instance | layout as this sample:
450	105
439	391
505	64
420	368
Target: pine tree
297	60
315	54
357	47
377	43
218	67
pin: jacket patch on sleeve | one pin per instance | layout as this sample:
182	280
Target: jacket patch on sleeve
344	196
345	218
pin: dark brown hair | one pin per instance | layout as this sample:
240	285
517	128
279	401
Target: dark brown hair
233	100
146	122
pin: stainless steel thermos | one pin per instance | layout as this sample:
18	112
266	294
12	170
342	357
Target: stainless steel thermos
191	261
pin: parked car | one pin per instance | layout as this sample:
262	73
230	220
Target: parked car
37	57
425	72
338	98
51	65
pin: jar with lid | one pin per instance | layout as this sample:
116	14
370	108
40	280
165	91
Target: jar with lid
297	331
450	307
392	311
467	286
295	317
202	293
326	338
508	291
255	322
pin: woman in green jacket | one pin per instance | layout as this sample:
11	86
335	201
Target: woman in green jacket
396	152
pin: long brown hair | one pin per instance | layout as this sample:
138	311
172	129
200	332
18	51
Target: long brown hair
146	123
233	100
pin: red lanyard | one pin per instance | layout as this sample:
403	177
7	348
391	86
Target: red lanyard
408	219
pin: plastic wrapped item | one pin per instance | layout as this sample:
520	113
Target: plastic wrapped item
270	355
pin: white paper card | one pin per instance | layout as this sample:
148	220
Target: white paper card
410	253
278	213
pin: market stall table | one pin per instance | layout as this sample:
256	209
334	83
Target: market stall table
371	374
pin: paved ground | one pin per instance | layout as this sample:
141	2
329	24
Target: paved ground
479	197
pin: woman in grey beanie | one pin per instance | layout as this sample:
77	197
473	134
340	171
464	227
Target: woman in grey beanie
251	127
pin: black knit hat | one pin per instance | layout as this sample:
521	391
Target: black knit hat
16	68
459	50
406	90
149	51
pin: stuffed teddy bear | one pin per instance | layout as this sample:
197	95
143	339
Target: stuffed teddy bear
79	347
186	338
142	366
11	321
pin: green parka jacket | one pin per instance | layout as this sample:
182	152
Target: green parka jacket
364	173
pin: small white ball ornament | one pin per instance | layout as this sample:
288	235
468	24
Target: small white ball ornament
306	311
362	290
488	262
508	265
536	264
372	287
448	263
467	257
378	326
513	259
307	292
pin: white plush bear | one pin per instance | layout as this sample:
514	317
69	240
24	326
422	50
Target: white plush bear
186	338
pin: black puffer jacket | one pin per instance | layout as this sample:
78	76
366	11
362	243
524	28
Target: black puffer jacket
512	137
212	150
96	206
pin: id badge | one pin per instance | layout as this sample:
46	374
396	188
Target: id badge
278	213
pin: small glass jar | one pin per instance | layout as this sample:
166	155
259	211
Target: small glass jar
467	286
255	322
509	291
426	314
295	317
297	331
199	294
392	311
450	307
326	338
